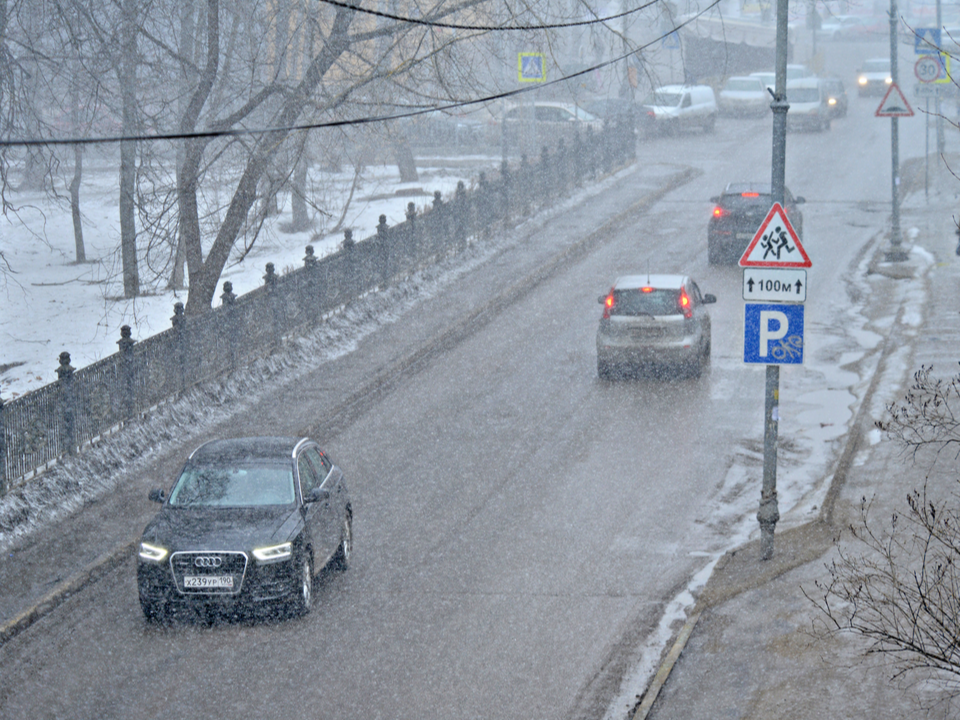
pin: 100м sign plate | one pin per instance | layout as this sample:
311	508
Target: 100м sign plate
775	285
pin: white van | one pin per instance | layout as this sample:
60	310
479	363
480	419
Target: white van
674	107
809	104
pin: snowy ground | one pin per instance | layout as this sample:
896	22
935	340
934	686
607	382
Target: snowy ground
51	304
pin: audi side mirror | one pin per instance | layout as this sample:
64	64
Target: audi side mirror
157	495
318	494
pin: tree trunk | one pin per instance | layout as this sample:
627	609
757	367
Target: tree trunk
75	203
187	79
405	162
128	150
298	196
204	275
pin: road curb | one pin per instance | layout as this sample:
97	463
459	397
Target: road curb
373	389
72	585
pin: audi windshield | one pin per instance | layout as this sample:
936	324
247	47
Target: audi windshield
234	485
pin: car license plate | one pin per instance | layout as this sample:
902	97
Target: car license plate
208	581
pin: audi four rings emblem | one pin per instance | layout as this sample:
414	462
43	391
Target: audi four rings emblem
208	561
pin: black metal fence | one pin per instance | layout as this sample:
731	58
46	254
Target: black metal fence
59	418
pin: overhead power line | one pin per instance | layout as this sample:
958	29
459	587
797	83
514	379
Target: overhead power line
414	110
489	28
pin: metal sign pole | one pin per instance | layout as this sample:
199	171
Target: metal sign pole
896	252
769	512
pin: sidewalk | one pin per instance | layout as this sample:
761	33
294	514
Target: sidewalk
752	651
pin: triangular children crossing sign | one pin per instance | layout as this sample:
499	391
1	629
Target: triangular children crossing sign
775	244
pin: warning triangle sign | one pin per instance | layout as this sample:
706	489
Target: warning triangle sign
775	244
894	104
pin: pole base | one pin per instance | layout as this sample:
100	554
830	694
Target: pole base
896	255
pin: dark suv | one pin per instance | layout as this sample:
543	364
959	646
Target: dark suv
737	215
249	521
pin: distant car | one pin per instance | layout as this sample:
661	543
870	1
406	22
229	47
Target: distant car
873	78
848	27
653	320
769	79
836	96
549	121
737	215
744	95
613	110
249	522
679	107
809	105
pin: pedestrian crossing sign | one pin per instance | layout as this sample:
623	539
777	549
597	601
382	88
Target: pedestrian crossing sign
775	244
531	67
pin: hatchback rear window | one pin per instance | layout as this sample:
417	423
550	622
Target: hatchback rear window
743	85
803	95
733	201
634	302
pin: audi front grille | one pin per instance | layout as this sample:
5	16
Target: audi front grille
209	573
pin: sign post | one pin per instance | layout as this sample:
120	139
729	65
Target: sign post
774	269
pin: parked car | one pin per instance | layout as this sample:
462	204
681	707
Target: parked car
744	95
873	78
836	96
809	105
675	107
849	27
248	523
769	79
548	121
653	320
737	215
614	109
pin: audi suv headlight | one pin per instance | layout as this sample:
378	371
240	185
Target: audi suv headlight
273	553
153	553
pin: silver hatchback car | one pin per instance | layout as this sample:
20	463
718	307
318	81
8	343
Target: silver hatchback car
656	320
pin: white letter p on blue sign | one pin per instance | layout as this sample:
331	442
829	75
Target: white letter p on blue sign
773	334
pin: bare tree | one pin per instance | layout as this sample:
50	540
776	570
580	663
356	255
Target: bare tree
899	587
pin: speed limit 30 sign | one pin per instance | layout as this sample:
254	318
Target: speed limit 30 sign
930	68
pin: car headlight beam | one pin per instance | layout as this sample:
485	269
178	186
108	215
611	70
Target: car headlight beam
273	553
153	553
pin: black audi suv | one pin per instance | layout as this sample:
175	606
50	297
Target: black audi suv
248	523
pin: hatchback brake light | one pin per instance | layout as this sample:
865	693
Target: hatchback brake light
686	307
608	306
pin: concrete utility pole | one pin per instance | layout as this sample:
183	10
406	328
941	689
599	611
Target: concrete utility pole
769	512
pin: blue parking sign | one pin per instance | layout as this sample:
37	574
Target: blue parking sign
773	334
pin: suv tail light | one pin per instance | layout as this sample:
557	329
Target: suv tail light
719	212
686	307
750	194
